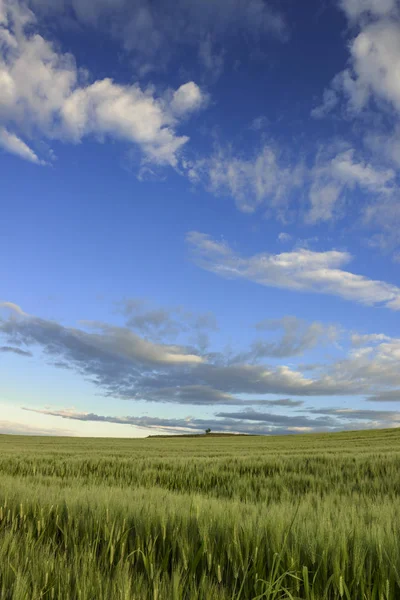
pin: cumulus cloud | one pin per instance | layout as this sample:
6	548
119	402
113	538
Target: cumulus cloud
375	54
368	91
374	62
300	270
187	98
45	94
356	8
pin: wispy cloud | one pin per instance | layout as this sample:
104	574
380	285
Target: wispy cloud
265	179
155	30
14	428
297	338
13	144
160	323
333	176
14	350
299	270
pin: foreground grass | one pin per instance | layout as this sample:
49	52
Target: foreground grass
305	517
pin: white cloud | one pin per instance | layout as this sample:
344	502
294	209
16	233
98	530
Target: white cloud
187	98
375	365
369	90
358	339
13	144
122	342
300	270
375	56
356	8
374	65
284	237
13	309
125	113
350	172
44	93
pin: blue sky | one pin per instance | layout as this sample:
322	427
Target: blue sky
200	216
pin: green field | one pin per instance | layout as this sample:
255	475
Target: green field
305	517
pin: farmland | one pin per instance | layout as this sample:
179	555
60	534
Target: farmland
310	517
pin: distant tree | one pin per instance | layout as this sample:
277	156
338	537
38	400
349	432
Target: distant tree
208	430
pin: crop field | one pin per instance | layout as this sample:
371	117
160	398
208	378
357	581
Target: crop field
309	517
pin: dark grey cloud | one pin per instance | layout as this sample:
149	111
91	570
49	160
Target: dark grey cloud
387	396
103	352
241	422
386	416
14	350
208	396
287	402
272	419
124	365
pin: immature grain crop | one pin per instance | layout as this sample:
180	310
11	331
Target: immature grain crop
308	517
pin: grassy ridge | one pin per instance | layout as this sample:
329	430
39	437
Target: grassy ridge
221	518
